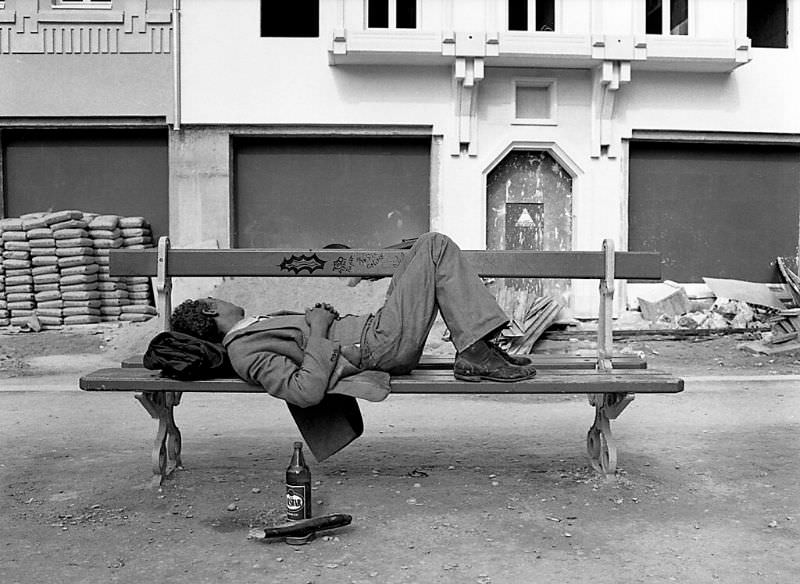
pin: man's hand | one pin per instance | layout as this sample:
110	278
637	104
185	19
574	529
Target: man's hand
320	317
352	353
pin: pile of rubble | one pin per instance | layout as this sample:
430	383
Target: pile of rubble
721	313
766	311
55	270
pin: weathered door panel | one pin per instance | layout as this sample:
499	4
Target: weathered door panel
524	230
529	206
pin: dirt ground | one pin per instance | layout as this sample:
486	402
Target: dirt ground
444	489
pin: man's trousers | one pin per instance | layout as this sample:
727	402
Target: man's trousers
433	276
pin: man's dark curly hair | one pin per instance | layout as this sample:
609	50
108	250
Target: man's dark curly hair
189	318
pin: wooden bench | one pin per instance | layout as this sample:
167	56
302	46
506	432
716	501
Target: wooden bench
610	381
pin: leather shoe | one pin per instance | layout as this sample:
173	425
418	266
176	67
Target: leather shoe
513	359
479	362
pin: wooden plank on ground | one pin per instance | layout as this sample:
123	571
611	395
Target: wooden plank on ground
757	347
791	279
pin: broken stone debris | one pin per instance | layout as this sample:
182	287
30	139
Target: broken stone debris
673	302
755	293
723	314
737	305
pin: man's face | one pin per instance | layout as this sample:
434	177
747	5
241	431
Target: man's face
222	310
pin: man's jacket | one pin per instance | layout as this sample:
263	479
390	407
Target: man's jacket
308	373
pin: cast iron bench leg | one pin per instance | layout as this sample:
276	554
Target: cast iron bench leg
599	441
166	455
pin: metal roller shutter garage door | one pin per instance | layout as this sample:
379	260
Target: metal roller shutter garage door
115	171
310	192
714	210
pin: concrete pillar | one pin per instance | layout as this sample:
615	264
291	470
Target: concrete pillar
200	187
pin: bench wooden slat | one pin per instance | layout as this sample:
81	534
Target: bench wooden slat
545	362
541	361
630	381
337	263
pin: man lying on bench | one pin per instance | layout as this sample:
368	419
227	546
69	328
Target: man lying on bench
302	358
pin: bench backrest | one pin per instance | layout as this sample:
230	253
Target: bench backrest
606	265
379	262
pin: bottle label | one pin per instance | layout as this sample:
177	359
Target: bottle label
297	502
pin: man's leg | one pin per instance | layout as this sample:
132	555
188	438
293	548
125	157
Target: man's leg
434	275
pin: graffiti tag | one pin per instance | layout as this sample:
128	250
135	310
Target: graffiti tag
296	264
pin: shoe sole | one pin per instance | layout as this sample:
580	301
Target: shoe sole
476	378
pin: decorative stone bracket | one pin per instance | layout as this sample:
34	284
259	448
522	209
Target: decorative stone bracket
468	73
609	56
606	82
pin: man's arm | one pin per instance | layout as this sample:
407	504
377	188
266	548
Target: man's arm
303	385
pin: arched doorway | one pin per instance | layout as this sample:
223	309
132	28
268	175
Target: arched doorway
528	206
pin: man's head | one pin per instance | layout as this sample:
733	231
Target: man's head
208	319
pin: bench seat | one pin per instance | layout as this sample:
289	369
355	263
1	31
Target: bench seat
419	381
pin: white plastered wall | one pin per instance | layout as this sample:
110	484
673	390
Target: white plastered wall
232	76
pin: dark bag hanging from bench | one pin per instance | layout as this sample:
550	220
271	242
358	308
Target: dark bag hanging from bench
187	358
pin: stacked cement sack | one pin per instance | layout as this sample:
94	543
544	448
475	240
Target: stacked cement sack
4	314
17	275
113	292
56	266
136	234
77	270
46	288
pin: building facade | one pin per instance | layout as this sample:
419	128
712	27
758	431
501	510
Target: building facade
537	124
